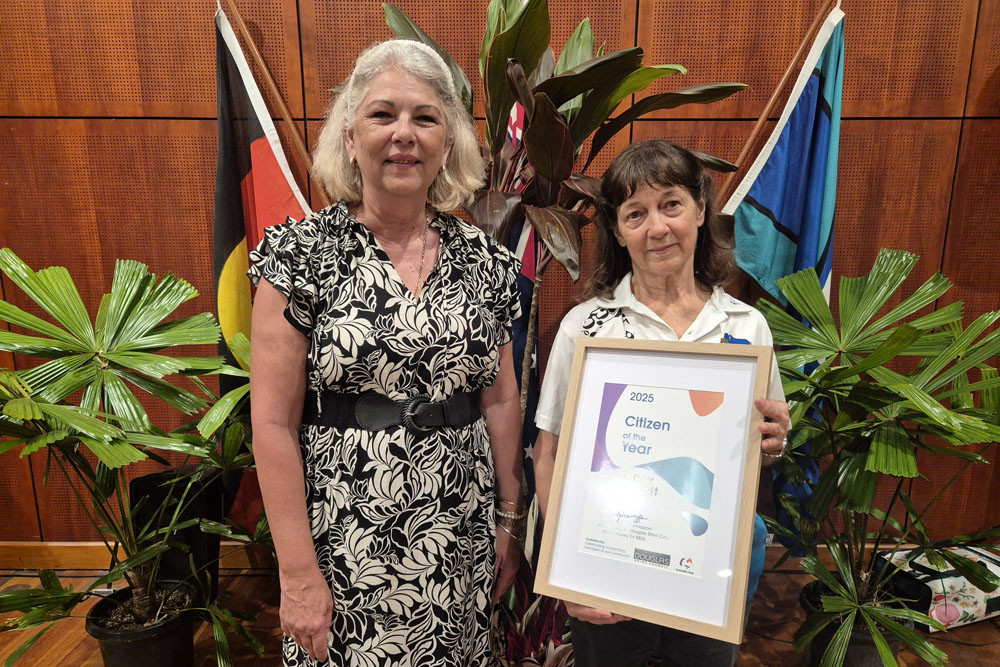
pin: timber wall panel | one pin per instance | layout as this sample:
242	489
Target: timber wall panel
131	58
17	497
613	22
893	189
335	32
984	80
902	58
970	262
907	58
331	39
970	259
717	40
82	191
974	230
131	189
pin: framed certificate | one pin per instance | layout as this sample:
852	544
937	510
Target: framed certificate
651	509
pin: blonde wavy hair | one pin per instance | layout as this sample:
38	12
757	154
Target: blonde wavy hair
464	171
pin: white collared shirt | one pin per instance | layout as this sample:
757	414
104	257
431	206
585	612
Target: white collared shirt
624	316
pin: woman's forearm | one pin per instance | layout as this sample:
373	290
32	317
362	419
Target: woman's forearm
501	408
277	389
282	487
544	456
505	444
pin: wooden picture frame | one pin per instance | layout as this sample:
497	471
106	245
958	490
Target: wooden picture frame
651	509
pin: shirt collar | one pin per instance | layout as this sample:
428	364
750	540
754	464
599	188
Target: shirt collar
726	303
622	297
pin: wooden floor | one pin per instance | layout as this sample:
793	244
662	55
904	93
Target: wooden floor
776	615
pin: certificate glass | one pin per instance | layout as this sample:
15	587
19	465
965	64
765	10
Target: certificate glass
655	482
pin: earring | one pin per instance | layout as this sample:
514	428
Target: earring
354	162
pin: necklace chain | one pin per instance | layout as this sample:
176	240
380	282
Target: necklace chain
423	255
423	251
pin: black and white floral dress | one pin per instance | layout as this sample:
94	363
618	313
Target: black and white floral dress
403	526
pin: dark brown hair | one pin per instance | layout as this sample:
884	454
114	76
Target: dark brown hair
656	163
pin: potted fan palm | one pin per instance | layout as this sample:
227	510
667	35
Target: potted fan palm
866	397
80	409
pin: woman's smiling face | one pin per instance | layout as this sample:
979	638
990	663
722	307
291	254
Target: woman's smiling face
658	225
399	138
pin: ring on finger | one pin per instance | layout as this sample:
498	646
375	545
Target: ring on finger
779	453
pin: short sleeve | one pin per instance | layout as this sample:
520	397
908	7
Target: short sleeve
507	297
283	259
774	391
555	383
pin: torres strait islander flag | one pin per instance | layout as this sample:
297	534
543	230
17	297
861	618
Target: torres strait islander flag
254	187
784	206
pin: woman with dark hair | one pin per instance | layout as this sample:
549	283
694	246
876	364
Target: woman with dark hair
662	260
385	407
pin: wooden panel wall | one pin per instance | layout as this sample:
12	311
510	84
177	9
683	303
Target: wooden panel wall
107	142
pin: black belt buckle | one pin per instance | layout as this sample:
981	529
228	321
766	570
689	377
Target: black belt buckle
409	410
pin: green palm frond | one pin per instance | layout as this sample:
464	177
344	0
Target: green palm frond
53	290
152	306
805	294
56	386
154	365
131	280
121	352
239	345
169	443
74	419
24	409
36	346
198	329
34	444
861	298
926	294
182	399
223	408
122	403
892	452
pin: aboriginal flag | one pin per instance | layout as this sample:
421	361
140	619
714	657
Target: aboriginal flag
254	187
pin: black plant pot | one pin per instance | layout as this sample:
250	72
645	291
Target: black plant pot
207	499
169	643
861	649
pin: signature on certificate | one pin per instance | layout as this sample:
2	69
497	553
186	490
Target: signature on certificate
636	518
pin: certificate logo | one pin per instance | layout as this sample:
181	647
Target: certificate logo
651	557
685	563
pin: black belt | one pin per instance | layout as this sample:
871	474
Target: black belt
376	412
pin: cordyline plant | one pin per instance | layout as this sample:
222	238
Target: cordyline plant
93	442
865	423
566	102
535	632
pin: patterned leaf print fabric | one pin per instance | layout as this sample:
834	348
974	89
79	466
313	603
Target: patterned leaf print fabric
403	526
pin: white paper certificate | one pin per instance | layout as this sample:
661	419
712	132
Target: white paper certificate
649	492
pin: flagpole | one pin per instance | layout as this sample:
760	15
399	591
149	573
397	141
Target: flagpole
286	115
729	185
